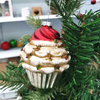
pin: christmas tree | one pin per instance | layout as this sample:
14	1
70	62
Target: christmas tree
82	80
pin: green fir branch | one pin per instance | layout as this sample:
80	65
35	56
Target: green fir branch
47	94
34	21
82	55
24	38
13	78
65	8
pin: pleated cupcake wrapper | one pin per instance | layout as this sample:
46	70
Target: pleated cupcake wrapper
42	81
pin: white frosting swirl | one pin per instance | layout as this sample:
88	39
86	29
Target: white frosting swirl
47	56
46	43
46	70
41	61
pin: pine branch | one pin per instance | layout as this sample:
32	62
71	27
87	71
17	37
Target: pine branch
24	90
47	94
13	79
25	38
65	8
81	41
34	21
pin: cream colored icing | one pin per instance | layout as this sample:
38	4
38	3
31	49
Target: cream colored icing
41	61
46	70
29	48
44	51
41	56
46	43
23	54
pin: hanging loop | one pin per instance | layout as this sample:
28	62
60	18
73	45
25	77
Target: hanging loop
49	10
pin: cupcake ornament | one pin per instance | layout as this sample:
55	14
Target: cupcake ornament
44	57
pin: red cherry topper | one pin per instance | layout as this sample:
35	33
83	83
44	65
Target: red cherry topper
79	16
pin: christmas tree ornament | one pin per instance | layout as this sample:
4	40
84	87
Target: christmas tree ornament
5	45
53	10
25	42
46	52
93	2
12	43
19	44
79	16
80	81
